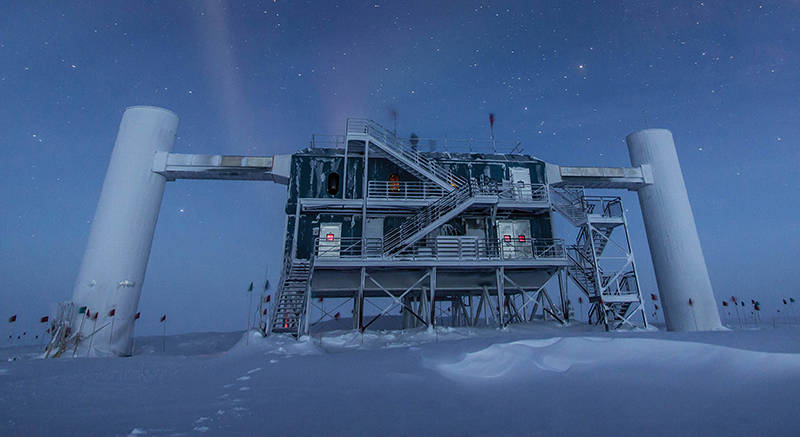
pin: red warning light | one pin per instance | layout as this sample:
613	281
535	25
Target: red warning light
521	238
507	238
329	237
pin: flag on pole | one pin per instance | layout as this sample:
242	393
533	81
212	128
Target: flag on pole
44	319
580	300
251	288
112	313
88	313
724	303
757	307
164	317
265	311
12	319
337	316
733	299
653	296
791	299
656	305
784	301
82	310
491	120
268	296
94	317
690	302
139	314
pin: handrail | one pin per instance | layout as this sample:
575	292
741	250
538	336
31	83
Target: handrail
449	144
441	248
404	190
358	126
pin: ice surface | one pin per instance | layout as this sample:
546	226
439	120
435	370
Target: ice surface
527	380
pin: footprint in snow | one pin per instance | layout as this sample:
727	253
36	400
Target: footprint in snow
201	420
255	370
244	388
228	385
243	378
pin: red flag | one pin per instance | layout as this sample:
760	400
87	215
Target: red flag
88	313
491	120
112	312
320	299
733	299
690	302
336	316
580	300
164	317
139	314
724	303
268	296
94	317
653	296
44	319
756	307
12	319
265	311
656	307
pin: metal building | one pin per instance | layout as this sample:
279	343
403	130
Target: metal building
460	229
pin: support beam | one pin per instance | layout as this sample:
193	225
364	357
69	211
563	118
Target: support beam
678	260
114	264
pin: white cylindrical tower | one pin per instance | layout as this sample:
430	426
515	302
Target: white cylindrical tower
678	260
113	267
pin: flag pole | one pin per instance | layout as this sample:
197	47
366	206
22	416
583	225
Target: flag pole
82	310
691	304
13	321
164	338
94	329
113	314
249	308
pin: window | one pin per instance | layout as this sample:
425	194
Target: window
333	183
394	183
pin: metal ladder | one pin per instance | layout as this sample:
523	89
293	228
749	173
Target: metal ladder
427	219
290	306
403	153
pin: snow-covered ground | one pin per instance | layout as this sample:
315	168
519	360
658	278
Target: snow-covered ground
537	379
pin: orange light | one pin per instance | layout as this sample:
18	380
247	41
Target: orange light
521	238
329	237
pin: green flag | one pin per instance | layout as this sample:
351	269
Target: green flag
81	310
791	299
251	288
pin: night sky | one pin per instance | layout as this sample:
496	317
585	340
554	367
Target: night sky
569	79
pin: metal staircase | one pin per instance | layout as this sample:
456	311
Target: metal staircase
612	289
290	304
403	153
427	219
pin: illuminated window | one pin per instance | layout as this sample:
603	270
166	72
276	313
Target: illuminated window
329	237
394	183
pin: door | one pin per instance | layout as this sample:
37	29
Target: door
330	240
515	238
521	178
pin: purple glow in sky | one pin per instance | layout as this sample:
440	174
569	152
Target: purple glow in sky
570	80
